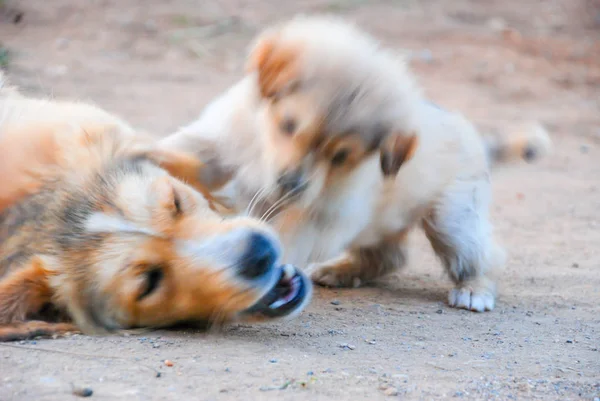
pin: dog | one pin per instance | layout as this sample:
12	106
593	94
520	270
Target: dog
329	138
97	234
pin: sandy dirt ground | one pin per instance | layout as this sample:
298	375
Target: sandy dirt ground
157	63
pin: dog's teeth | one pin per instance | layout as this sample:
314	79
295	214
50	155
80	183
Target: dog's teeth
289	272
277	304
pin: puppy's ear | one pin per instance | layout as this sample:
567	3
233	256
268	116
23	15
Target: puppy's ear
275	65
24	292
396	150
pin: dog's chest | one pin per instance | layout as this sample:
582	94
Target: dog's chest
327	230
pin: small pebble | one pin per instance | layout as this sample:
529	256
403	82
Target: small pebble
390	391
168	363
158	374
575	265
273	360
569	341
335	302
439	311
83	391
348	346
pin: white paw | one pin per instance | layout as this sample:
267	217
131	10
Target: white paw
468	298
332	277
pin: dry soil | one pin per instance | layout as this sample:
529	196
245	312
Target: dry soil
157	63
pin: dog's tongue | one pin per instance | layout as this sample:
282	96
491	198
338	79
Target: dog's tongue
285	293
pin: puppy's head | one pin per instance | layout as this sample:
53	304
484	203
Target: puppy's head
139	248
331	99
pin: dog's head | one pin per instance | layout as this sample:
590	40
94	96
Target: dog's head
136	247
331	99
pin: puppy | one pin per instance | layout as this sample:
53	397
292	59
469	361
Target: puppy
329	139
97	235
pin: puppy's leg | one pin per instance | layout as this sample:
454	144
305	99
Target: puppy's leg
460	233
359	266
34	328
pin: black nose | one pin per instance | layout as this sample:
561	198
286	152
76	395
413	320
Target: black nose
290	181
259	258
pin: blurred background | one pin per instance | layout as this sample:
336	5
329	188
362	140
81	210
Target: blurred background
158	62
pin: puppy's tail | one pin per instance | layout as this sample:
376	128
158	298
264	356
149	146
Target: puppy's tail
530	143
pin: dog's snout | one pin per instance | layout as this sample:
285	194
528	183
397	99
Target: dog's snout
290	181
260	257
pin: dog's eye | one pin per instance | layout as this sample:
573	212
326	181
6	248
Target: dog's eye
340	157
177	203
152	278
288	126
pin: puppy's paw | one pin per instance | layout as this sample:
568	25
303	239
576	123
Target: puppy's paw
477	296
334	276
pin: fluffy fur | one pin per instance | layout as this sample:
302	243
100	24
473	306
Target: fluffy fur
329	139
96	234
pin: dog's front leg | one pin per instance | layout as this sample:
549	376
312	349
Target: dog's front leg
356	267
34	328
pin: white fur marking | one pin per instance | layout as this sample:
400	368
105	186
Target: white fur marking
105	223
220	250
465	298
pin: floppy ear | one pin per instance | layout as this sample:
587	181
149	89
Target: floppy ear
24	292
204	176
397	150
275	65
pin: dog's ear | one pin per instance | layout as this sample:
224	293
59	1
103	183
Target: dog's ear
396	150
275	65
206	175
24	292
203	175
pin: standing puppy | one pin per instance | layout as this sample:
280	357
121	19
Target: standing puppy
328	137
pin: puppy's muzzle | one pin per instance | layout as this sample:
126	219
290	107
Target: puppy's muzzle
292	182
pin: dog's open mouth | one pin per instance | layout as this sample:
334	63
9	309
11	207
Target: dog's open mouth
289	295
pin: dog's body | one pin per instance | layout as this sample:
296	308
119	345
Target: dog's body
432	167
97	234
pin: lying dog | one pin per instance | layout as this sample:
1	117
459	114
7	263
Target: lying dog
329	138
97	235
